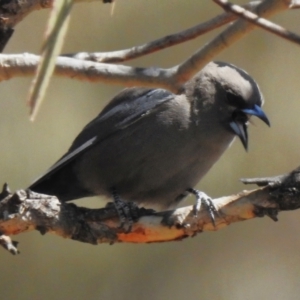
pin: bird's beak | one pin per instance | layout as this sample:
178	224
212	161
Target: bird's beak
258	112
240	129
239	122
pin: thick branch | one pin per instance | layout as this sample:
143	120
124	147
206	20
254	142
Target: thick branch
25	211
16	65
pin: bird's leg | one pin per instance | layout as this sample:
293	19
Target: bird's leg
202	198
127	211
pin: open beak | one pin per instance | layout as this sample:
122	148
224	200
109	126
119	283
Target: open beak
239	122
258	112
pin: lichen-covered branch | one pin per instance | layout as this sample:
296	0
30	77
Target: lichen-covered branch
25	211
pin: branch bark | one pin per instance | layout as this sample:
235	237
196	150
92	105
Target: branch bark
21	65
258	21
25	211
172	78
233	33
161	43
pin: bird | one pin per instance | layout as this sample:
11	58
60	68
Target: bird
151	147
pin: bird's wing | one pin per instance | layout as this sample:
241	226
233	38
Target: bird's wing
126	108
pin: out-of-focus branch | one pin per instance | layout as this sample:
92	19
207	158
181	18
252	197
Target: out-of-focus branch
13	12
57	27
25	211
258	21
295	4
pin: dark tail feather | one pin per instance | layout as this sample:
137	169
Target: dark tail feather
62	184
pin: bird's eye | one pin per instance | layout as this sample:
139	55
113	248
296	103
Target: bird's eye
234	100
239	116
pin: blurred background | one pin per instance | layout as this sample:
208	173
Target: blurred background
257	259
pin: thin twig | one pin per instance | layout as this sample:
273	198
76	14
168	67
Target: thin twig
57	27
234	32
9	245
258	21
161	43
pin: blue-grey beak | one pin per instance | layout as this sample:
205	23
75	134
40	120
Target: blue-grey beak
239	122
258	112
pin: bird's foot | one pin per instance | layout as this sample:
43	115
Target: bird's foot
271	212
128	211
202	198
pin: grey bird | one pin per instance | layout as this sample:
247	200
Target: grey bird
151	147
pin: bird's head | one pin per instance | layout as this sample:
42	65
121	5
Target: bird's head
230	95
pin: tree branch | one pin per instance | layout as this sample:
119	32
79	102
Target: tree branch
234	32
14	11
260	22
172	79
161	43
20	65
25	211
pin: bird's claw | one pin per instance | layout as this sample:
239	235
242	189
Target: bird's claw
127	211
202	198
271	212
